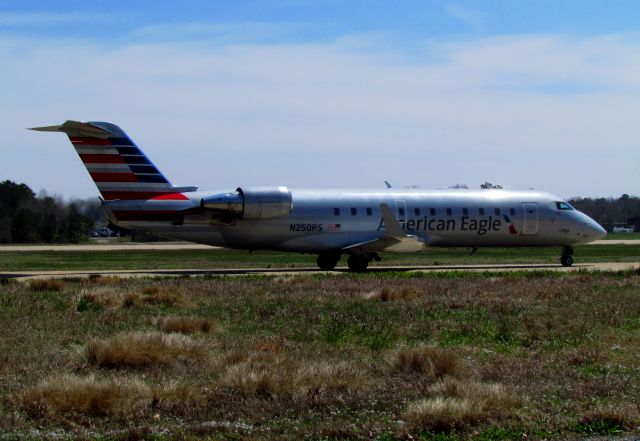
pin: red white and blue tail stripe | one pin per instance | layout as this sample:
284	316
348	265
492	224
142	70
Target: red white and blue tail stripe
118	167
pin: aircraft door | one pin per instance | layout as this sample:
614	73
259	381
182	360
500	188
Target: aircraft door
401	212
530	218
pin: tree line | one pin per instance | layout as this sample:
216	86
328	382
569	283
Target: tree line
27	218
610	212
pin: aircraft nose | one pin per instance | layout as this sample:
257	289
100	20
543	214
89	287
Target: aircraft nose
589	230
598	231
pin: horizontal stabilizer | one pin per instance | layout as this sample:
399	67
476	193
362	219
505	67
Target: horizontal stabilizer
76	128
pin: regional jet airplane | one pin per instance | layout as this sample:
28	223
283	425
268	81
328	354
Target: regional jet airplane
330	223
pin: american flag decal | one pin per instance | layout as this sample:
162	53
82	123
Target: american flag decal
333	227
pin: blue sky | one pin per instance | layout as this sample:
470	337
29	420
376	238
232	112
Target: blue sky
528	94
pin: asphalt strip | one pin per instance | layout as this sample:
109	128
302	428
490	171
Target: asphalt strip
30	275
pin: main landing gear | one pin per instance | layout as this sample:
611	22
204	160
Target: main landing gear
566	258
356	262
327	261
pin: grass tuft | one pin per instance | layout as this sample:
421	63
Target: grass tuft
184	325
457	404
269	375
428	361
156	296
46	285
603	422
387	294
71	394
97	299
150	290
143	350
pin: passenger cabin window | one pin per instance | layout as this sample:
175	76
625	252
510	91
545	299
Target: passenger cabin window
369	211
354	211
563	206
448	211
416	211
512	211
497	211
336	211
465	212
432	211
481	211
400	211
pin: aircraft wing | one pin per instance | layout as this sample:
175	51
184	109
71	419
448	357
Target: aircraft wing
395	239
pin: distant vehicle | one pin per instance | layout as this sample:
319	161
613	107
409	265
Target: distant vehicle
329	223
623	230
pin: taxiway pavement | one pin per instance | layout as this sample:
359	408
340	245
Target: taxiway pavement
601	266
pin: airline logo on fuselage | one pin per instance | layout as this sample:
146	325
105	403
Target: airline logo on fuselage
465	223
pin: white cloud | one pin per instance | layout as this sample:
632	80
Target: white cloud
500	109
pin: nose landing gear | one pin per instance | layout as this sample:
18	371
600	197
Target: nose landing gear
566	258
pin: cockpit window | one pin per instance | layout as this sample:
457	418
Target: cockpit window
563	206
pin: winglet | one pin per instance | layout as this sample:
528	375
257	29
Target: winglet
393	227
76	128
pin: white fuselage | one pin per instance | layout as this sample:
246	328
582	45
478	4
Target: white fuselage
332	220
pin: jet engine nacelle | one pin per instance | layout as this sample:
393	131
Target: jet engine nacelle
251	203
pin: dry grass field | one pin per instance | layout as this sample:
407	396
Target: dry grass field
387	356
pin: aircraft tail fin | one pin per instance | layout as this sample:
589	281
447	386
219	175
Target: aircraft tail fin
118	167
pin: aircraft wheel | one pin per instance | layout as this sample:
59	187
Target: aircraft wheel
358	263
327	261
566	260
